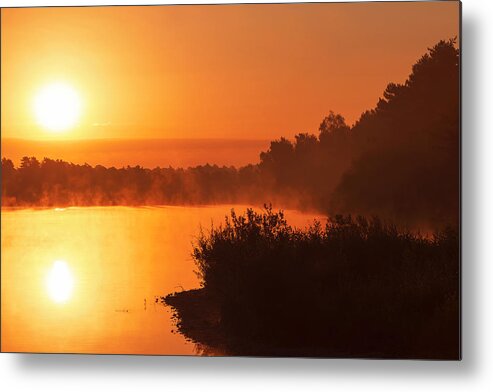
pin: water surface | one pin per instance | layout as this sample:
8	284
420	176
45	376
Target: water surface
119	259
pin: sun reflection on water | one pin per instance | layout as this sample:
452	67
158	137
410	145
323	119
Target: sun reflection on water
60	282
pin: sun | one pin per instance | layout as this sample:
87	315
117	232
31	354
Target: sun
57	107
60	282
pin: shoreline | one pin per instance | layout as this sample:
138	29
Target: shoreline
198	319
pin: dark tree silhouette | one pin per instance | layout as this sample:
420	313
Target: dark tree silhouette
352	287
406	164
332	126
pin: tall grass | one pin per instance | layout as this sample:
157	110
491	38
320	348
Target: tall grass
355	287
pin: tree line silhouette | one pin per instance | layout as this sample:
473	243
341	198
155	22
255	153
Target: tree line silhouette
399	161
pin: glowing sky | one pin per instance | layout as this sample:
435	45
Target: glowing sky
224	71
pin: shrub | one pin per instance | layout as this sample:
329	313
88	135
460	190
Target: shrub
352	286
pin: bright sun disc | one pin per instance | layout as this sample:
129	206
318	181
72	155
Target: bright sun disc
57	107
60	282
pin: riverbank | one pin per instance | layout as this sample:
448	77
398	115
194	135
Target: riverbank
198	318
354	288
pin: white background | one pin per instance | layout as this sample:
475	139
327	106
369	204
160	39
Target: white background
474	373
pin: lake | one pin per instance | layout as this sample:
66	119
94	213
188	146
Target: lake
84	280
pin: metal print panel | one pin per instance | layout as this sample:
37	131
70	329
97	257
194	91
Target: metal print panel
239	180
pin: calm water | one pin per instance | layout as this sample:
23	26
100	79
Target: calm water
118	259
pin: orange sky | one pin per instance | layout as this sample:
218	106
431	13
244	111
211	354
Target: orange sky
223	71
